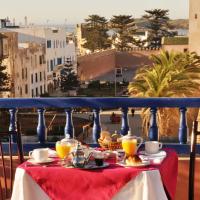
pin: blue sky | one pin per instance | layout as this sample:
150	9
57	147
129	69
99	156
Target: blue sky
75	11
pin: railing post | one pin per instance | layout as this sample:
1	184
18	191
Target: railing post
125	126
41	128
182	132
96	126
69	129
13	123
153	129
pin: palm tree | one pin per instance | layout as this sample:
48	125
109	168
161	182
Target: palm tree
171	75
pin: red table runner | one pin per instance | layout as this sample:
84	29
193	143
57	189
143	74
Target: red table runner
69	183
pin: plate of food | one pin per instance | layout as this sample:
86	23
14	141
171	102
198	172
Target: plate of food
134	161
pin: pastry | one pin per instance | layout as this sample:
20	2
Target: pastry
133	160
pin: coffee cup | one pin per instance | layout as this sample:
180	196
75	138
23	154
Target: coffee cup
39	155
152	147
98	157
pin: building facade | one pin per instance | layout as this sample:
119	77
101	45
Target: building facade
194	26
30	75
57	50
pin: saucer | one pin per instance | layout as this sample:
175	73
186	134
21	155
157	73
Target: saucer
141	164
94	166
49	160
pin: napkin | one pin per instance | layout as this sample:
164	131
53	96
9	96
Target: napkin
156	158
52	153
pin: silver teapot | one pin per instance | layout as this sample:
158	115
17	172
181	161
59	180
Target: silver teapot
79	158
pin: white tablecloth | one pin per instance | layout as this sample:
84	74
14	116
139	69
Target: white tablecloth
146	186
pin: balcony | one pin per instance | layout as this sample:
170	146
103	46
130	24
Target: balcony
96	104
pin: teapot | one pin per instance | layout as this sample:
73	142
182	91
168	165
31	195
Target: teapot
131	143
79	159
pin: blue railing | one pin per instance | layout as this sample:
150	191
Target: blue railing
96	104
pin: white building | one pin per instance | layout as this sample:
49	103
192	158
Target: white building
57	50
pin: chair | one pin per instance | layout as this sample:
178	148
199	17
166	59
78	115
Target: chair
195	132
4	193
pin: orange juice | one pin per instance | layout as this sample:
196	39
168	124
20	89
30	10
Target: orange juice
62	149
130	147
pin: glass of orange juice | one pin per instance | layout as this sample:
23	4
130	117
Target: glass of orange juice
63	149
130	144
130	147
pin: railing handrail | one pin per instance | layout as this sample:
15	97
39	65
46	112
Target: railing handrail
108	102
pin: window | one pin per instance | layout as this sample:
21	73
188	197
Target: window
185	50
22	73
36	91
48	66
32	91
26	73
36	78
26	89
20	91
40	76
51	65
48	43
59	61
35	61
195	16
40	60
31	78
40	89
54	62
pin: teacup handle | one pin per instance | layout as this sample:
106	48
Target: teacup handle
140	142
30	154
160	145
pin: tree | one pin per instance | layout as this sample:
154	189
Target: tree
69	79
124	26
157	24
171	75
4	78
95	33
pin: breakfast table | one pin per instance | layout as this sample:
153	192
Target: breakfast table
156	181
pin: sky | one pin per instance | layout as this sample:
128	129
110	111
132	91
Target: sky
75	11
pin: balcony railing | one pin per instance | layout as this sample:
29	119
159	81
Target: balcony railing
96	104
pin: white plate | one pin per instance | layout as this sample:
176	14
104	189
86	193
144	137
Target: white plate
49	160
93	166
142	164
159	154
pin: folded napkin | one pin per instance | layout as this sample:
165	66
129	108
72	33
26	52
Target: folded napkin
52	153
153	158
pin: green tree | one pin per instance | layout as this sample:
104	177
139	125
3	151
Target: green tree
171	75
4	78
69	79
124	26
95	33
157	24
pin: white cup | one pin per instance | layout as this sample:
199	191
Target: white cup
39	155
152	147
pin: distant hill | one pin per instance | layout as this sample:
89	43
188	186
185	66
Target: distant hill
179	23
174	24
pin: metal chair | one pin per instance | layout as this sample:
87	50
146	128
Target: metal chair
5	192
195	132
